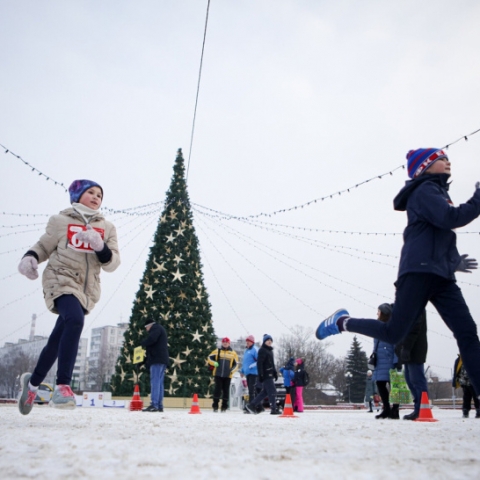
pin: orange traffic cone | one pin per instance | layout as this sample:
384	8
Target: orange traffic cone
195	408
136	403
288	409
425	410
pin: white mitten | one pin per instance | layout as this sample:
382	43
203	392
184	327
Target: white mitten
29	267
92	237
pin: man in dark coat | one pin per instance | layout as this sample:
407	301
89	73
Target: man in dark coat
157	361
267	374
412	352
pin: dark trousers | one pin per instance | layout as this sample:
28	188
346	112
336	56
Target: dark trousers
268	390
384	394
416	381
62	343
251	382
292	392
413	292
468	394
221	391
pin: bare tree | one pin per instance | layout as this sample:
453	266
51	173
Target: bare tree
101	370
12	365
319	363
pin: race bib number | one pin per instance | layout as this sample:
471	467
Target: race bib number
77	245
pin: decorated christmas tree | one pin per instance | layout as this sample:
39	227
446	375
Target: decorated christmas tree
172	291
356	366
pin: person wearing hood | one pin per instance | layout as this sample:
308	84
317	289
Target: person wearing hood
301	381
428	262
460	379
267	374
249	365
288	374
78	243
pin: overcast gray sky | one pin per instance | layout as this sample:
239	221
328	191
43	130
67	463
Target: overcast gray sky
298	100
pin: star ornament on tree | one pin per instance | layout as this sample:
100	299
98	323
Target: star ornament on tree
196	336
177	362
177	276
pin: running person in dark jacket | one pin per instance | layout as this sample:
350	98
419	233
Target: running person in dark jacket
428	262
267	374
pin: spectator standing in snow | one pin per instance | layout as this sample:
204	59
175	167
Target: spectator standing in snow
249	366
267	375
224	361
157	362
412	352
78	243
288	374
428	262
370	390
301	381
461	379
386	360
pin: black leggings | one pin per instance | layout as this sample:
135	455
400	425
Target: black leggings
384	394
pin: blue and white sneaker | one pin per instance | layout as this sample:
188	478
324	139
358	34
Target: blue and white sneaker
329	326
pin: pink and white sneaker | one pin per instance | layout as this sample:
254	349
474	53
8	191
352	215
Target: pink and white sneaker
27	397
63	397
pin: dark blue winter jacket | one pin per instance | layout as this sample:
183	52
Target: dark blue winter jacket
429	240
386	359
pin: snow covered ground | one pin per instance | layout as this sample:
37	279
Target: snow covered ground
116	443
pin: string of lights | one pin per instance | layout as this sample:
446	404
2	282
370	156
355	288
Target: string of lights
94	319
27	214
318	244
22	231
21	327
9	276
34	169
271	312
19	298
23	225
205	257
236	233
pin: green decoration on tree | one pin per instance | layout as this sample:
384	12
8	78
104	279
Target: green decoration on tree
355	373
172	291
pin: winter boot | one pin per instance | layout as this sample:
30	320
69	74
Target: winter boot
370	405
394	415
251	409
478	413
385	413
275	411
465	413
411	416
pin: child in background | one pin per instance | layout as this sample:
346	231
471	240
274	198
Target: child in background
301	380
428	262
288	374
78	243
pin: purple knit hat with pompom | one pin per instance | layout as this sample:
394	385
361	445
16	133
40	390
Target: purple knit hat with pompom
79	187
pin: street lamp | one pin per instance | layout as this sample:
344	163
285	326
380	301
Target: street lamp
348	376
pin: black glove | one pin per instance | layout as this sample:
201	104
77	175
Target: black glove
466	264
275	377
398	367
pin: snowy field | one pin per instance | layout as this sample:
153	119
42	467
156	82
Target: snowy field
117	443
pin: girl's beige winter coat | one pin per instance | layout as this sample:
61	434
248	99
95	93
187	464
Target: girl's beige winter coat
69	270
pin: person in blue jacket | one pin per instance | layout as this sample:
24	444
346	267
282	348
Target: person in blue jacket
249	366
428	262
288	374
386	361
